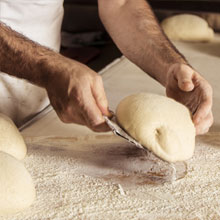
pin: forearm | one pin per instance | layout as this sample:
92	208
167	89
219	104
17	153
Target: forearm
75	91
133	27
22	58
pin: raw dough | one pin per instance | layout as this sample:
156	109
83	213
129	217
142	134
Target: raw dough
161	124
17	190
187	27
11	140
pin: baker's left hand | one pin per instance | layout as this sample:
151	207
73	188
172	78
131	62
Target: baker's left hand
187	86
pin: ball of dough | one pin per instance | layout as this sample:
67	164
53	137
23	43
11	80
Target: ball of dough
160	124
11	140
16	186
186	27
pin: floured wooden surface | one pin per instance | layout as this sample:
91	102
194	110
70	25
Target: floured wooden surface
66	191
65	194
113	159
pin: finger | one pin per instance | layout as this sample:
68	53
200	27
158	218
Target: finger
203	110
204	125
99	96
92	113
101	128
184	75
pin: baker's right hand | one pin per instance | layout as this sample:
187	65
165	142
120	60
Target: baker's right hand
77	94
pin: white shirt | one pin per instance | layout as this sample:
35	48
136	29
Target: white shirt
39	20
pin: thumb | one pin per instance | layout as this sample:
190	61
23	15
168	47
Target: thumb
100	97
184	75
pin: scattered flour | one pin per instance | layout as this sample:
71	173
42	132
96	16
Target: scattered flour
64	194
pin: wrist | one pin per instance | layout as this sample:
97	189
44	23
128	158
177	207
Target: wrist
49	67
55	68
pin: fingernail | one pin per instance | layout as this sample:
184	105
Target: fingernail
108	113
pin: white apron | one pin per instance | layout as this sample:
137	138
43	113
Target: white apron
39	20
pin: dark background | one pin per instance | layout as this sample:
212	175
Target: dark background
88	42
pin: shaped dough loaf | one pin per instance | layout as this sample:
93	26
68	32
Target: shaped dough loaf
11	140
186	27
160	124
16	187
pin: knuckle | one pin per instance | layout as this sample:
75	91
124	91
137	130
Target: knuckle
188	71
77	98
180	68
69	110
98	78
101	98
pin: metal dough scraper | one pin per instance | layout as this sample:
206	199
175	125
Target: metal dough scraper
117	130
163	170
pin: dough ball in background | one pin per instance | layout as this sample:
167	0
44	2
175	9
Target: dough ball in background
160	124
187	27
17	190
11	141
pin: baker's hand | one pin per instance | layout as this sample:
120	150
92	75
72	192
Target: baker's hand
77	94
188	87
